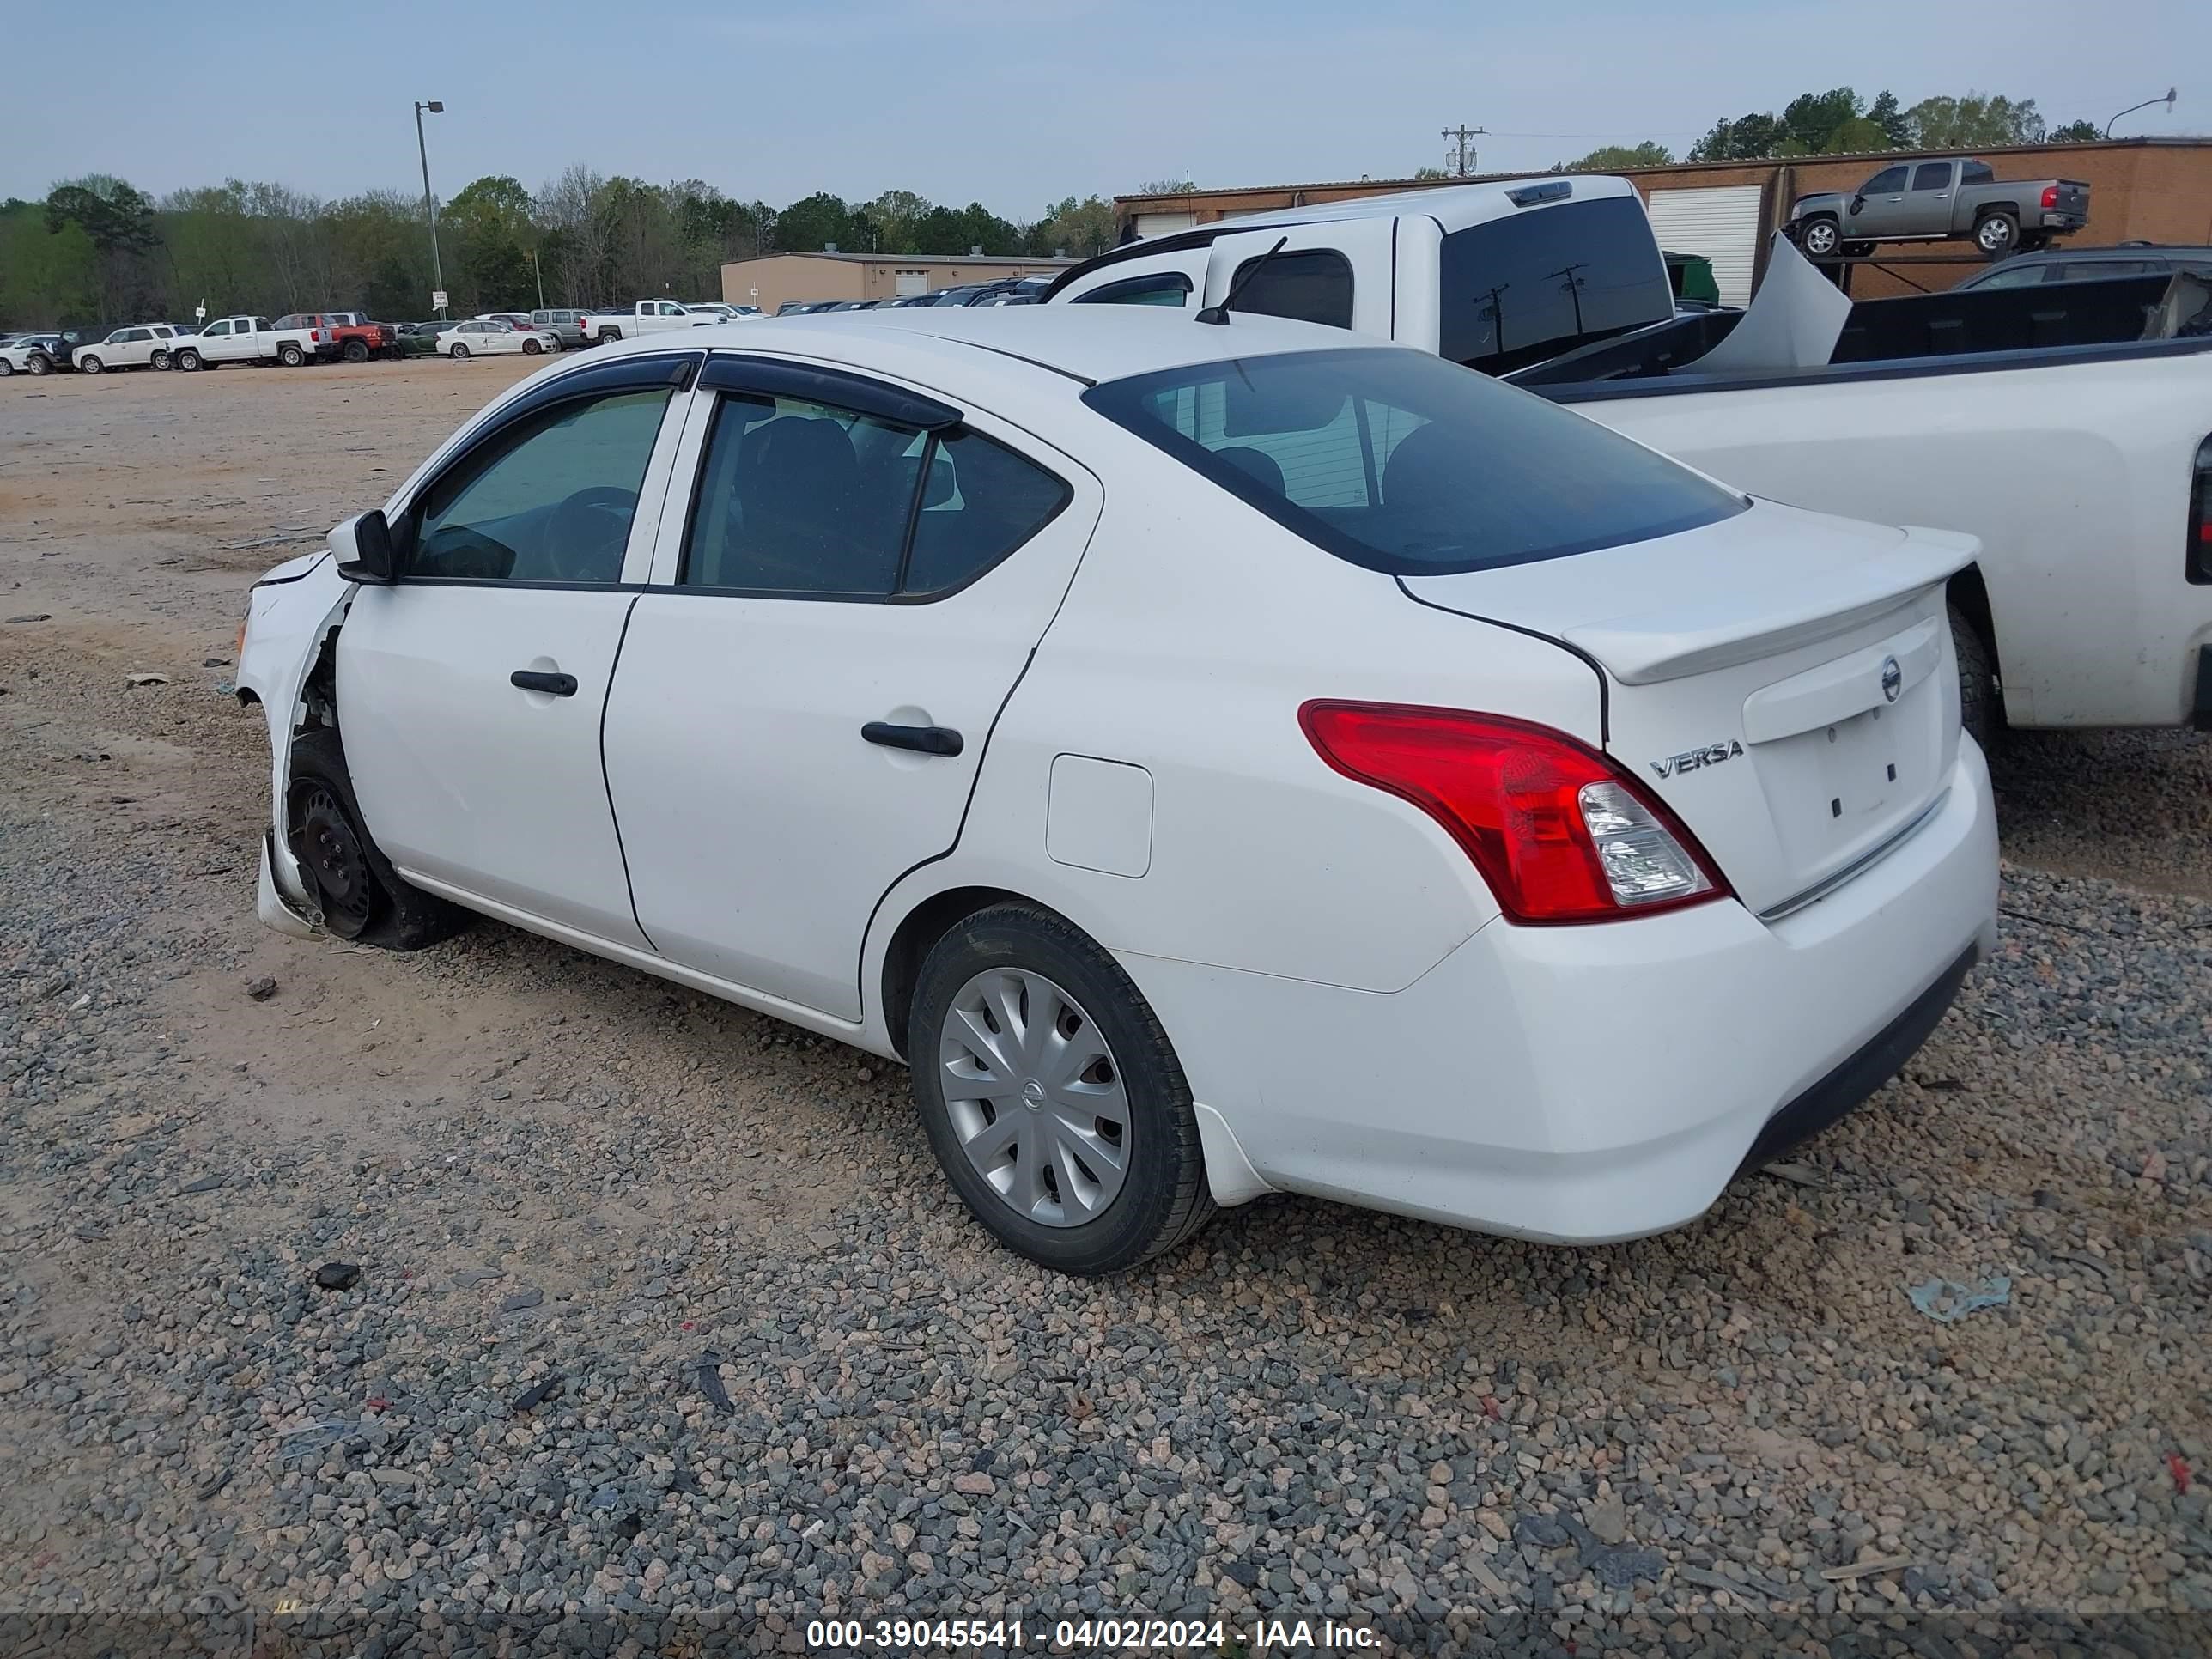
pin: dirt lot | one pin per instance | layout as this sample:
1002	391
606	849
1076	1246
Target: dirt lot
663	1308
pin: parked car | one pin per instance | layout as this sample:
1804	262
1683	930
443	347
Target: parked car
247	339
645	317
418	339
2089	604
563	323
142	345
376	339
512	318
488	335
33	353
1941	201
2083	264
1002	826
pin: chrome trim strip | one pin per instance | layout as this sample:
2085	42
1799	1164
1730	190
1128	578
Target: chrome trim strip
1857	867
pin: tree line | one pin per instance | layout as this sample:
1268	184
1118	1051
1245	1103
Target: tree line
1840	123
96	249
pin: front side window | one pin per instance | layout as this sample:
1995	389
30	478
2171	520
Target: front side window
1516	290
1887	180
549	499
1162	288
809	500
1313	287
2019	275
1401	462
222	327
1932	175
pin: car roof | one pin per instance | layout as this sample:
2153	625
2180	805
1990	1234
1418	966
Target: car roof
1083	343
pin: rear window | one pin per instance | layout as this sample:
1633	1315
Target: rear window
1401	462
1519	289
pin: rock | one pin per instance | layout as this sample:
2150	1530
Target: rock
1494	1524
33	617
337	1276
1608	1521
975	1484
261	990
145	679
522	1300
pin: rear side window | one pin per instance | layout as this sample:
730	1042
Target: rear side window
1313	287
1401	462
1976	172
2090	271
810	500
1162	288
1517	290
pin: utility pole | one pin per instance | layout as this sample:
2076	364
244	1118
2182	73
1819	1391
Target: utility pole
1460	155
430	205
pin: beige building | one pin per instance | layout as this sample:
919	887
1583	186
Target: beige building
777	279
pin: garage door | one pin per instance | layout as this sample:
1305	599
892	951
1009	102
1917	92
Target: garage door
1164	224
1720	224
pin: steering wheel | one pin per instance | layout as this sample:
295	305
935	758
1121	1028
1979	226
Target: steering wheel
587	532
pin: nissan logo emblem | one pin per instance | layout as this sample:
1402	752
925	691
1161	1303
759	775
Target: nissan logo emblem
1892	679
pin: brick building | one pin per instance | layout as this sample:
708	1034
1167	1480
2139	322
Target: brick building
2150	190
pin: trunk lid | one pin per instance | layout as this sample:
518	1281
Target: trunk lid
1782	680
2073	197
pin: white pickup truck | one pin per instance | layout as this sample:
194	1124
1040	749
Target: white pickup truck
2072	436
646	317
252	340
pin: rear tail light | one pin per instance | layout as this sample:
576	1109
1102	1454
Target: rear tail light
314	336
1559	833
2051	196
2200	517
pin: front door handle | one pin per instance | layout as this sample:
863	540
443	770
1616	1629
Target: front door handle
529	679
922	739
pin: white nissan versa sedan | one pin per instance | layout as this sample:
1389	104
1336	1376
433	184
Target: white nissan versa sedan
1215	758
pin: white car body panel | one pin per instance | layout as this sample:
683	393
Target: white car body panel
482	338
1355	1015
2074	476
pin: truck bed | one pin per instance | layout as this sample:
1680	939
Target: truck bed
1995	328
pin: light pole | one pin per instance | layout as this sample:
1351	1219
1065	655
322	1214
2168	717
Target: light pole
2172	92
430	205
540	269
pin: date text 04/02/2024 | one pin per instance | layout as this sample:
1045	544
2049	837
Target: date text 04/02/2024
1084	1635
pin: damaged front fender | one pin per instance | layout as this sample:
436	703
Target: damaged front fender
292	612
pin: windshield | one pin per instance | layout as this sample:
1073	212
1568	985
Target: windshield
1399	461
1516	291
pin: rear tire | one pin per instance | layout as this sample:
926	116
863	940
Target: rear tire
290	355
459	353
607	334
1157	1197
357	351
1981	710
162	360
1997	234
362	896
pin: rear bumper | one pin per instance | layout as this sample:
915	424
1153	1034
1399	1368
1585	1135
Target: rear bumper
1586	1084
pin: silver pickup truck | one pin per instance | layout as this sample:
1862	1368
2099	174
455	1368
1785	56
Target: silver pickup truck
1939	201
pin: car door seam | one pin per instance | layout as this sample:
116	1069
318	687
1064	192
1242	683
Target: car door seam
1604	689
607	783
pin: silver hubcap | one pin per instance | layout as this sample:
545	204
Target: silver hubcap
1034	1097
1994	233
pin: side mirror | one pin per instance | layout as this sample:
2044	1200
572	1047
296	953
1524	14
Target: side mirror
1857	202
363	546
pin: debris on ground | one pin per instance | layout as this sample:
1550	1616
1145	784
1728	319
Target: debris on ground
33	616
538	1395
145	679
710	1381
338	1276
1947	1300
261	990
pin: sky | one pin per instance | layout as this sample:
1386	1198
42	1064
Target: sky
1016	105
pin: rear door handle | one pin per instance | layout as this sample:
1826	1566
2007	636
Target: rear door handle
529	679
922	739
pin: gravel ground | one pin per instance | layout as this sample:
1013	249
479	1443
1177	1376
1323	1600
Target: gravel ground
649	1316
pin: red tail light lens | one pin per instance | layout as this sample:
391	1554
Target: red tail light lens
1559	833
2051	196
2200	518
